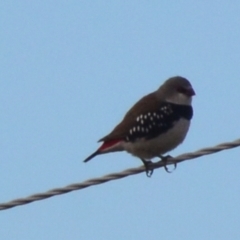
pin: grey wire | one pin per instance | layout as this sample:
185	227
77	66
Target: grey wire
118	175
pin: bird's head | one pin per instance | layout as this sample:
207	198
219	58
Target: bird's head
176	90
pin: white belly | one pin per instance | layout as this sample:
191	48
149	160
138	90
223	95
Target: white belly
159	145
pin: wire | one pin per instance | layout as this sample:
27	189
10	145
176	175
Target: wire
115	176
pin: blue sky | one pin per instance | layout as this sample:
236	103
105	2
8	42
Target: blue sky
69	72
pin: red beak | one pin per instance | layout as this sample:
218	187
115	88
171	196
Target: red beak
190	92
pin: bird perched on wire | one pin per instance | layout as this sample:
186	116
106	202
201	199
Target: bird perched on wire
156	124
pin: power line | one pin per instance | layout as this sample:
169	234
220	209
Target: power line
115	176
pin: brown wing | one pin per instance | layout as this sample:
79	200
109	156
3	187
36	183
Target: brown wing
144	105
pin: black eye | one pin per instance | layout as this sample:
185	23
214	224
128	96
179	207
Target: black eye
188	91
182	90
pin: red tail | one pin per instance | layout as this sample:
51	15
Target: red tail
102	149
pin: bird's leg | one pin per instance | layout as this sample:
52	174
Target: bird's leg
149	172
165	159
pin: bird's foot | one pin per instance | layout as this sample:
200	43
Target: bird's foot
165	159
149	171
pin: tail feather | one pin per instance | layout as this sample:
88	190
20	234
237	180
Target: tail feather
92	156
105	148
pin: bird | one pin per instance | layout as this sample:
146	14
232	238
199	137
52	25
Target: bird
155	125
